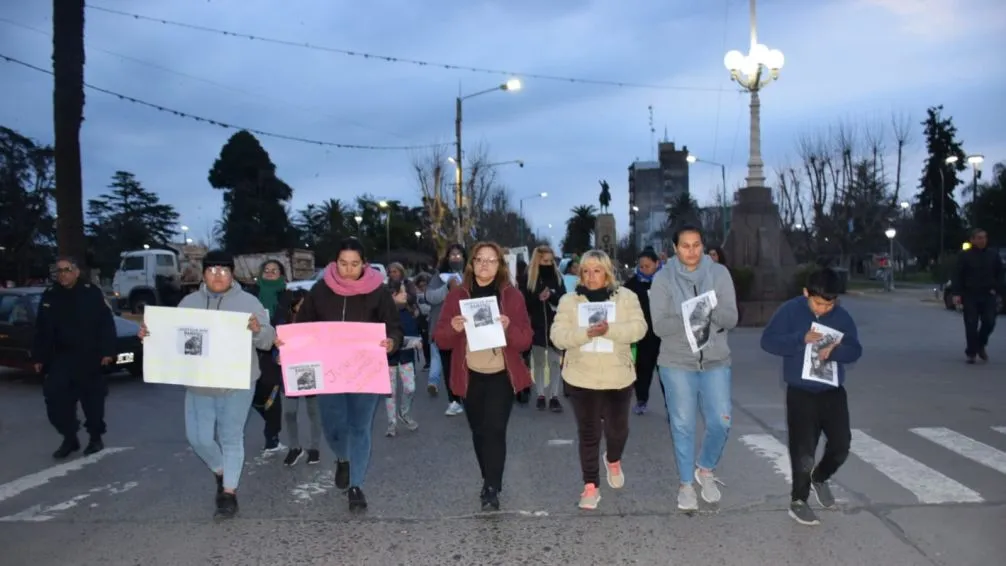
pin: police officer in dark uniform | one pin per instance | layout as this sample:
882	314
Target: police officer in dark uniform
74	338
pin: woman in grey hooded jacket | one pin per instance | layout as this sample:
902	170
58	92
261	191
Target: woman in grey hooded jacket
694	360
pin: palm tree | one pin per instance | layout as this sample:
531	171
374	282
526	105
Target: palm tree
68	114
579	229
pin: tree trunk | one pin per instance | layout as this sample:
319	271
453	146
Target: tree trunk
68	113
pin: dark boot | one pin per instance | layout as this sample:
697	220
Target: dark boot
94	446
69	446
227	506
342	475
490	498
357	501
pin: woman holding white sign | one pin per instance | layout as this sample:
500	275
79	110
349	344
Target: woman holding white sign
693	306
597	326
485	326
215	418
351	291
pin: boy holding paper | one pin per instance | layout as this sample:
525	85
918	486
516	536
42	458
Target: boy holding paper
812	406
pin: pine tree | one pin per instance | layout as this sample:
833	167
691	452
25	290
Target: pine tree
938	181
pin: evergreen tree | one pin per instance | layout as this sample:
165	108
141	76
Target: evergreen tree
935	200
255	217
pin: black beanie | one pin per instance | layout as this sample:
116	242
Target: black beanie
218	258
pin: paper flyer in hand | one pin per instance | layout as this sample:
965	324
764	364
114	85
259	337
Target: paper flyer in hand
482	324
697	314
197	348
589	314
814	368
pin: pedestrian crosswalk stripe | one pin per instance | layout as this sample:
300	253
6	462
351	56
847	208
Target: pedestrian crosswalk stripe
965	446
928	485
768	447
21	485
1001	429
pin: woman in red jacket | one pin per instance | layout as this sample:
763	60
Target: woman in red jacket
487	380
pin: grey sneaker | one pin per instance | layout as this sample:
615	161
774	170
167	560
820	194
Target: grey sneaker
408	421
822	492
392	430
802	513
687	501
707	485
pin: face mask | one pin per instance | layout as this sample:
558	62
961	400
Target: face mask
457	265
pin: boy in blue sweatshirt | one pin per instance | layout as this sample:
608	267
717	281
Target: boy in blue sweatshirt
813	407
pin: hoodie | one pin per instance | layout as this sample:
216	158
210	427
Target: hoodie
234	300
784	336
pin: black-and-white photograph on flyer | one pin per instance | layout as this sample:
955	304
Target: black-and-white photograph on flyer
697	313
482	324
814	368
591	314
305	377
193	341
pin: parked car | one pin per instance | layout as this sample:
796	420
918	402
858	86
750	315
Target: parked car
18	309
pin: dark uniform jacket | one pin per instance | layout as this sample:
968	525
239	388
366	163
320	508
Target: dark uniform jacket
74	323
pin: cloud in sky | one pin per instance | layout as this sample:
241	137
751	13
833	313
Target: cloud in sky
857	61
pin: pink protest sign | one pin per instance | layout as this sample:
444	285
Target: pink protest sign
320	358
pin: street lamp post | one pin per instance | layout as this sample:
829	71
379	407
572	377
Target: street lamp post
975	161
387	227
359	221
749	72
520	221
723	194
185	233
510	85
890	233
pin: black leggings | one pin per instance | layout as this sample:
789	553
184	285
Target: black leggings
487	406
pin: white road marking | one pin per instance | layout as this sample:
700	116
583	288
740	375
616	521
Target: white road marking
769	447
38	514
1001	429
925	483
965	446
559	442
322	483
25	483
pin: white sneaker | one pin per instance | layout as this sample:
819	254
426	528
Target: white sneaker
454	409
707	485
687	501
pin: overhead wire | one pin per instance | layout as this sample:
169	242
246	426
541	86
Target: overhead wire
228	125
313	110
393	59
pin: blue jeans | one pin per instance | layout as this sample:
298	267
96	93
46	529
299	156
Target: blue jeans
685	393
436	374
215	428
348	422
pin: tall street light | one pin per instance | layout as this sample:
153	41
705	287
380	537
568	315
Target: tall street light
975	161
520	221
383	205
510	85
891	233
723	194
749	72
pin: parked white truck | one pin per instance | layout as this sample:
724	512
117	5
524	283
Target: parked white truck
163	276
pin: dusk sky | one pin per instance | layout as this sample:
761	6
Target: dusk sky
846	60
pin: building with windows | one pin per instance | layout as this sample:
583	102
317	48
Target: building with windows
653	186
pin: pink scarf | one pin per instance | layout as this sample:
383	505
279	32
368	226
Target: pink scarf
369	281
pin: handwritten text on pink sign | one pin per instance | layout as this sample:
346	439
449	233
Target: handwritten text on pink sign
320	358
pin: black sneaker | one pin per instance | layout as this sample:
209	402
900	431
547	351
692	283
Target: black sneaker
822	492
554	405
541	404
94	446
313	456
342	475
490	498
293	456
69	446
357	501
227	506
802	513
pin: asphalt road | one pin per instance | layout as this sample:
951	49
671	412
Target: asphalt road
926	483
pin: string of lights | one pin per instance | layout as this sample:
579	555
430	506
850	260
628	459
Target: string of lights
400	60
227	125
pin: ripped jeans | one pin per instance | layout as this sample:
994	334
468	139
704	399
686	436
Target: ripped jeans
686	392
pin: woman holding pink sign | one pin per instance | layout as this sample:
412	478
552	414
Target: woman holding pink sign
351	291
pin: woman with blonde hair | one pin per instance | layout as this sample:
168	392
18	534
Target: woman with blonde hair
598	367
487	380
542	286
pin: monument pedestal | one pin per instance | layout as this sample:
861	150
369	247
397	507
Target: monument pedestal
756	242
604	235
